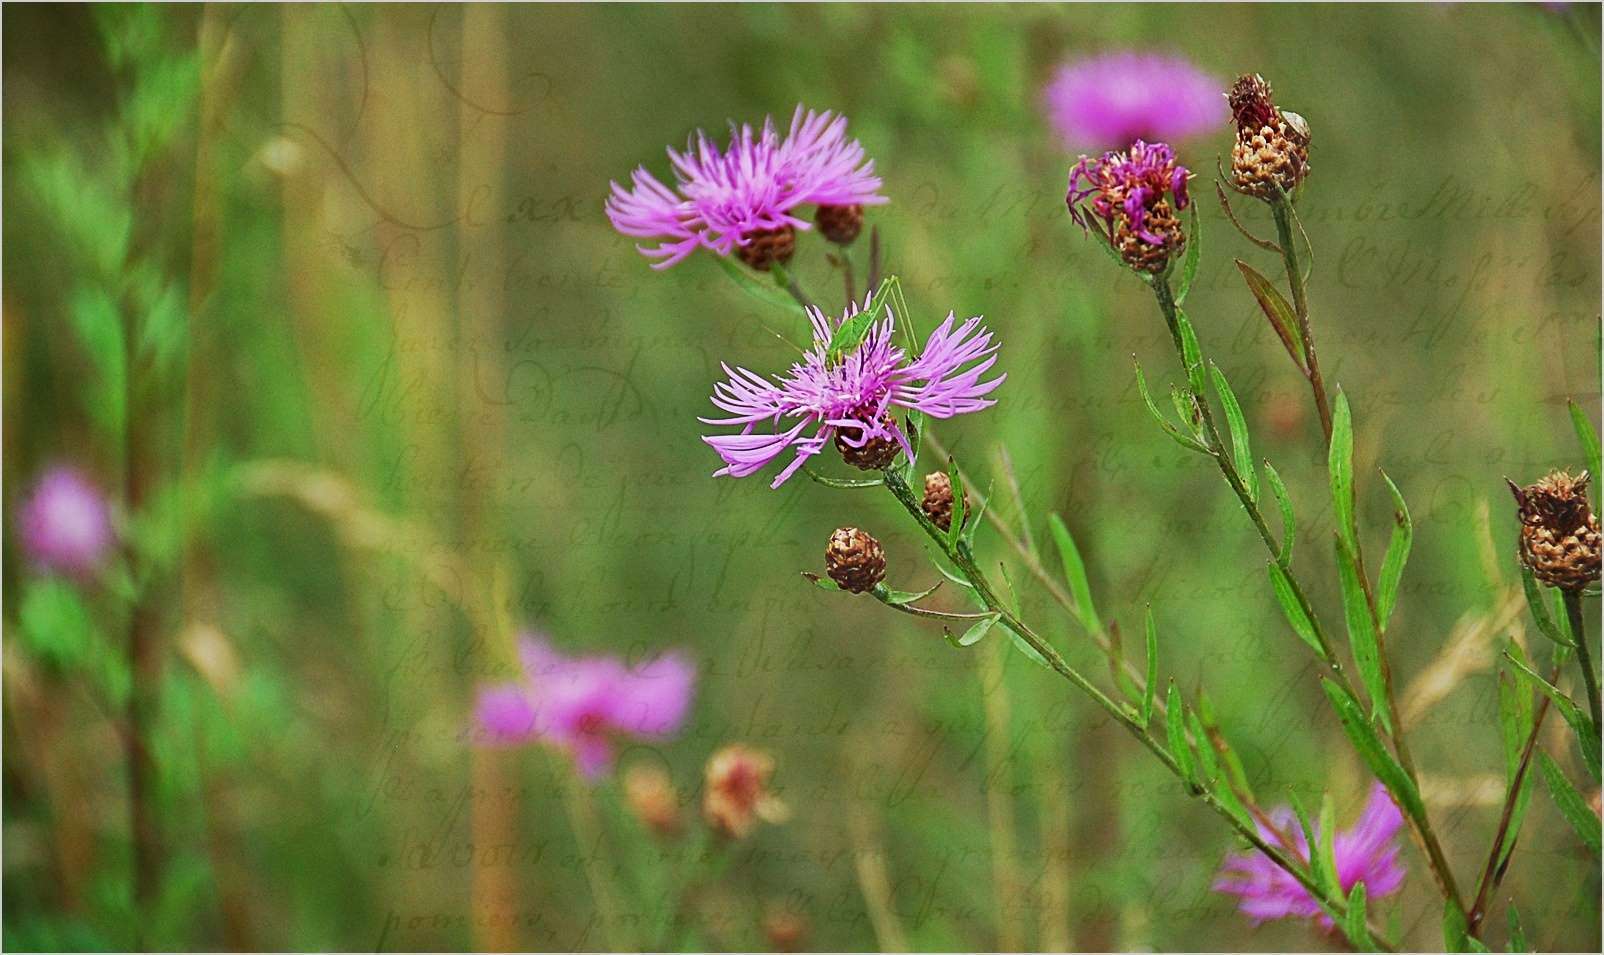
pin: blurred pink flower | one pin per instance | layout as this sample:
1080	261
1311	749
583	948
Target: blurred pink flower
65	525
585	704
1366	853
1108	102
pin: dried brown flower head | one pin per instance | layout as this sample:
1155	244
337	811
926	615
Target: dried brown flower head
1559	534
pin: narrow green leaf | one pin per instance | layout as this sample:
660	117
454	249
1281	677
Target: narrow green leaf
1455	936
763	292
1023	646
1208	762
1514	714
1362	634
1373	752
901	598
1568	709
973	521
1392	565
1301	624
1194	254
1241	450
956	526
977	631
1341	468
1589	440
1180	437
1075	574
1283	320
1284	502
1310	838
1325	857
1175	726
1538	605
1354	923
1185	406
820	582
1150	688
1570	802
1191	355
1233	764
1517	933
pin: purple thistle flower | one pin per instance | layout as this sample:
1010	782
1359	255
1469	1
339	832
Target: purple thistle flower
853	395
583	705
1114	99
65	525
1366	853
724	197
1128	197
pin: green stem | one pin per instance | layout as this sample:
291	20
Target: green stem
1427	836
1584	657
1282	210
963	559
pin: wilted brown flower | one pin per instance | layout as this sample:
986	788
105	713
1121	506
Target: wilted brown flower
1559	534
854	560
737	793
1271	154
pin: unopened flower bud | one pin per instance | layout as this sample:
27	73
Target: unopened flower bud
737	794
875	453
840	224
764	247
854	560
1559	534
1271	153
649	792
937	503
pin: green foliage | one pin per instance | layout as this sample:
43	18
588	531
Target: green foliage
1570	802
1362	637
1241	449
1283	320
1392	565
1080	589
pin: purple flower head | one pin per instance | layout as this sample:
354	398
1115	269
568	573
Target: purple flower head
723	197
584	705
852	396
1114	99
1365	853
65	525
1132	199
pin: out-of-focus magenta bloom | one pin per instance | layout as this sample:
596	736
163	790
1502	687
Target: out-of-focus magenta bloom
65	524
723	196
853	394
1366	853
1124	187
584	705
1113	100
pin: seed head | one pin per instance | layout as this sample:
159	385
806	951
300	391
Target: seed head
1271	153
875	453
937	503
1131	198
1559	533
840	224
765	247
854	560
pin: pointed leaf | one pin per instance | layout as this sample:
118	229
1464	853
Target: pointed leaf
1175	725
1341	468
1353	922
761	291
820	582
1392	565
1517	934
1538	605
1311	837
1586	737
956	525
1362	634
972	522
1241	451
1301	624
1180	437
1325	857
1589	441
1194	253
1284	502
900	598
1075	574
1191	354
1023	646
977	631
1152	670
1570	802
1373	752
1283	321
1455	936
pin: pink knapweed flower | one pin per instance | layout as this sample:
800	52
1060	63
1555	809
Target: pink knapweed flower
1132	199
1366	853
744	197
850	398
584	705
1110	101
65	524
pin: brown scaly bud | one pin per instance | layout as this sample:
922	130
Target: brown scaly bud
840	224
1271	153
1142	254
650	795
1559	534
737	794
854	560
764	247
786	931
875	454
937	503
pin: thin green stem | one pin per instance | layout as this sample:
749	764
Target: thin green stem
1584	656
1282	210
963	559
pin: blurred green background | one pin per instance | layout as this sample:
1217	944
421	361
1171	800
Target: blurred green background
408	391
